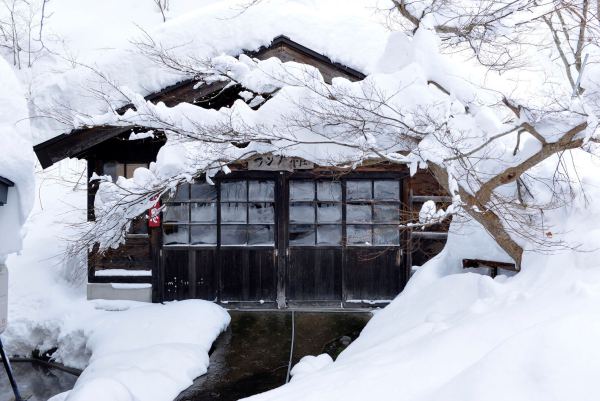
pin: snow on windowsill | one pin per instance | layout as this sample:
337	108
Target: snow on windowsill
123	272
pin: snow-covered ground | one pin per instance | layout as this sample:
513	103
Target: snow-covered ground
453	336
128	350
449	336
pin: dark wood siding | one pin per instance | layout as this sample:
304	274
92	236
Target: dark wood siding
248	274
373	274
177	274
314	274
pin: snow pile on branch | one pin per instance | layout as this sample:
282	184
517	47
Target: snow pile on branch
200	31
453	336
16	160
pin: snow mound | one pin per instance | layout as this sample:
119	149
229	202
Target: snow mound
455	336
310	364
149	352
16	160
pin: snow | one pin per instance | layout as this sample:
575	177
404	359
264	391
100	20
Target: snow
119	344
456	336
16	160
196	31
451	335
123	272
148	352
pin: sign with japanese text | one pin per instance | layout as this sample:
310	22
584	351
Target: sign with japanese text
278	163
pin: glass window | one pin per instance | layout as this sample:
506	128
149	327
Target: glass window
302	213
247	213
234	191
261	235
176	212
386	190
203	235
261	213
386	235
175	234
233	235
182	193
233	212
203	212
329	191
302	190
386	213
329	235
203	192
375	204
358	213
329	213
359	235
302	234
131	167
250	220
324	209
358	190
262	191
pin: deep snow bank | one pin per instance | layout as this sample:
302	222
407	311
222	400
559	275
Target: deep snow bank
453	336
147	352
16	160
130	350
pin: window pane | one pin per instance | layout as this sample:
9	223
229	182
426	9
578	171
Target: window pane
204	235
302	190
329	191
233	191
359	235
386	213
386	235
358	213
233	212
176	212
204	212
329	235
182	193
358	190
261	213
329	213
302	234
175	234
262	191
387	190
130	168
203	191
233	235
261	235
114	169
302	213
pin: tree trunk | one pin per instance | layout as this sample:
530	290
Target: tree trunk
488	219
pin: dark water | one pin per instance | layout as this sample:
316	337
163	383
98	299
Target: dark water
37	381
252	356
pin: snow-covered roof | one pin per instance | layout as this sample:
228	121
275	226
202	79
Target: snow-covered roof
352	35
78	141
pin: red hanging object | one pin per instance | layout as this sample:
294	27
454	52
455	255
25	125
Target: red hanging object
154	215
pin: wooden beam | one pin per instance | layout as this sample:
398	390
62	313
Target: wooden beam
475	263
121	279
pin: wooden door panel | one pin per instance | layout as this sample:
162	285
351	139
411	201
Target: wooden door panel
314	274
205	265
248	274
373	273
176	274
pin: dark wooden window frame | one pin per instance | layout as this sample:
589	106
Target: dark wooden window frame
218	224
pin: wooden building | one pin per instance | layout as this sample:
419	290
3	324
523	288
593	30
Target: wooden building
275	232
